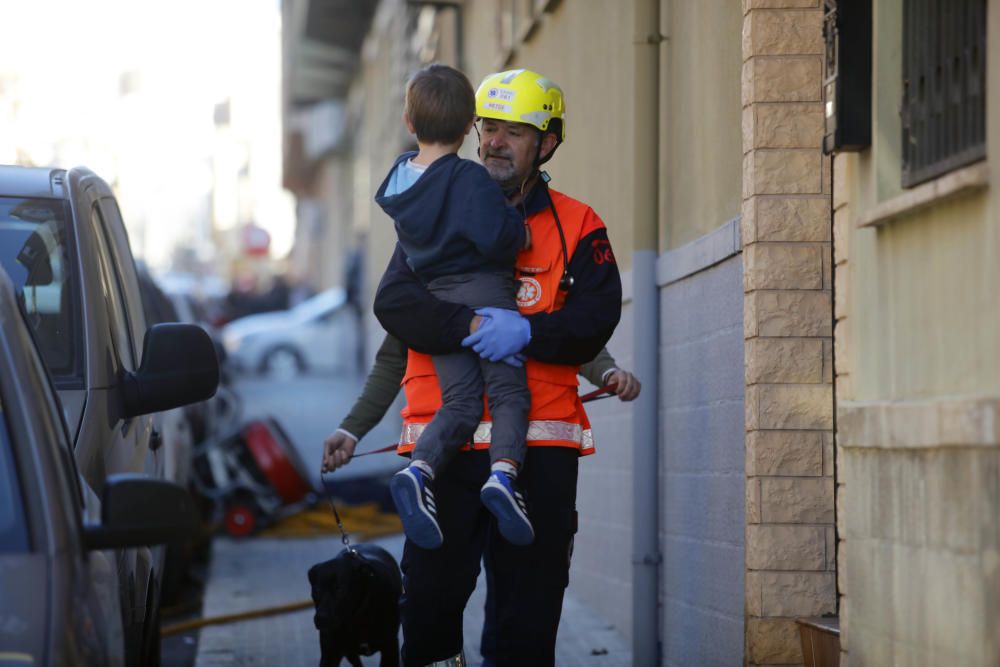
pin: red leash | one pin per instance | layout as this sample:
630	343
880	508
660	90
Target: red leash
387	448
607	391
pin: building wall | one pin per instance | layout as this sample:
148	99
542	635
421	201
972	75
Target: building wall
918	376
787	274
584	47
378	136
700	143
927	307
329	229
601	573
703	482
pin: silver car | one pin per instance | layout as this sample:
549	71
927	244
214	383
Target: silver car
319	334
64	246
59	585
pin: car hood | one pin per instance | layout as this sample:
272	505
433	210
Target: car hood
253	324
24	605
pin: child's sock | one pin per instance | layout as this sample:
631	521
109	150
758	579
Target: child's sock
505	466
424	467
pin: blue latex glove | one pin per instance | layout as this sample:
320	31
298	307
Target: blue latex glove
502	333
515	360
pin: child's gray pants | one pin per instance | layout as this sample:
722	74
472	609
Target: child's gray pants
463	376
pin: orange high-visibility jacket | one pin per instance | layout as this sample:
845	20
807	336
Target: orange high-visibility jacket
557	417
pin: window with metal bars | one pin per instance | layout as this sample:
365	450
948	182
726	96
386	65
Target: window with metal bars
944	86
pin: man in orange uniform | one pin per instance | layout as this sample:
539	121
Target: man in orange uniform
570	303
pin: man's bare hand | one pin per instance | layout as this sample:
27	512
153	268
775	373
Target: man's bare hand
474	324
625	385
337	451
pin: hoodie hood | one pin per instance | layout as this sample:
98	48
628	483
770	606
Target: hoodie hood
417	210
453	219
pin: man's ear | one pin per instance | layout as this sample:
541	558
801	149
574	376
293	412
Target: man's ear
549	143
409	125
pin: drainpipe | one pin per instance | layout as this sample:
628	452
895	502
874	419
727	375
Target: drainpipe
646	312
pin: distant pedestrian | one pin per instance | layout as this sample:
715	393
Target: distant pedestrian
354	274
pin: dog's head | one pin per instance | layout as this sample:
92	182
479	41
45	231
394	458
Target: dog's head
356	595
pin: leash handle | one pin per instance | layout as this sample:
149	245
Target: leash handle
607	391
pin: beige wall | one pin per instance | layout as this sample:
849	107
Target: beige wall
918	374
585	47
701	153
921	290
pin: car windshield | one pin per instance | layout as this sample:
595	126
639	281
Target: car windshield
13	529
33	252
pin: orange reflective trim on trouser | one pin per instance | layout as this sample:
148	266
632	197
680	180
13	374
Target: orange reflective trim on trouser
541	433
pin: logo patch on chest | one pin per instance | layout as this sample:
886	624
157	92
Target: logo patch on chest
529	293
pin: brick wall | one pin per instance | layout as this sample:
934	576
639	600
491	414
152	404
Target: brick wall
787	274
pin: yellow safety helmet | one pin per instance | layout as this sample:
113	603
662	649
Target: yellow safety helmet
523	96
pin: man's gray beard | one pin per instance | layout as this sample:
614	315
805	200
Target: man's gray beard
504	175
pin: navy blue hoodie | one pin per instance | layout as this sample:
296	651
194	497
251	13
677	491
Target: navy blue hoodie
453	220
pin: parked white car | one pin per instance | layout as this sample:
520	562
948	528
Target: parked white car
319	334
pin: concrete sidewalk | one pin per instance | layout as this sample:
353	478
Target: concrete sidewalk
262	572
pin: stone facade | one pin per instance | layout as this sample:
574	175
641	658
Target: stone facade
785	226
921	539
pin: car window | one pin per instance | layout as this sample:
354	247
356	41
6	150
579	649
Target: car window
54	426
34	252
13	527
112	290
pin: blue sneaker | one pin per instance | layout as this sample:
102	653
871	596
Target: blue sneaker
411	491
506	503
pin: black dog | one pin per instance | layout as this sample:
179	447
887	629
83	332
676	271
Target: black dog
356	596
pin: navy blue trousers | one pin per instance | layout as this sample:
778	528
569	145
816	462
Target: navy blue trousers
526	583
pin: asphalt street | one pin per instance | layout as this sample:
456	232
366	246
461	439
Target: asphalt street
311	407
244	574
308	408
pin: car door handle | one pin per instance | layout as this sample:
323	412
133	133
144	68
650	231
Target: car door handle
155	440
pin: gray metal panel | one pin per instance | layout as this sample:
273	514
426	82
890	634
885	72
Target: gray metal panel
701	637
600	575
703	460
698	255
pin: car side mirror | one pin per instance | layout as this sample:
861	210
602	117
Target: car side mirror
137	510
179	366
